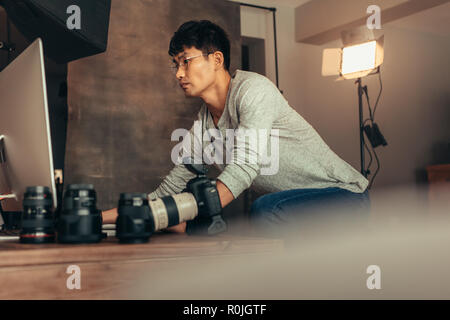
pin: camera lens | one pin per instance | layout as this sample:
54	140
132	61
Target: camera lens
172	210
134	223
80	220
37	217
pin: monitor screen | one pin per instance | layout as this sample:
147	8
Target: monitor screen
24	128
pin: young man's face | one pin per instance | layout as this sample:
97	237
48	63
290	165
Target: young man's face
196	72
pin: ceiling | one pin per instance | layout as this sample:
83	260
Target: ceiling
435	20
290	3
271	3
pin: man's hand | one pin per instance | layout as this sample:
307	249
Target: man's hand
109	216
179	228
225	196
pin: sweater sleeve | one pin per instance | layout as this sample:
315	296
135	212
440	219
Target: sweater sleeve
256	108
173	183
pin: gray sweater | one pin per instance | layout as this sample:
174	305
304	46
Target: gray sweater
288	154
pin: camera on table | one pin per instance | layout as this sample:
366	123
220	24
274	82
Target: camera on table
198	204
209	219
81	222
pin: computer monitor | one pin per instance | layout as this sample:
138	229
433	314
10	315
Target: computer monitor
25	128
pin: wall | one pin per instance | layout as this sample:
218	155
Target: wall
256	54
258	24
413	113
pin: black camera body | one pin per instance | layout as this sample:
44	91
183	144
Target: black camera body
199	205
205	192
209	219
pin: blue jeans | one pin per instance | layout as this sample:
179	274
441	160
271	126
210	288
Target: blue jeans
291	210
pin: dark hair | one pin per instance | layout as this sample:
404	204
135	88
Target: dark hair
203	35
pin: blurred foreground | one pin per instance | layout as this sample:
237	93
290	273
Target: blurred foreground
326	257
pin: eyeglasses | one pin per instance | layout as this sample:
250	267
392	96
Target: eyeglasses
184	63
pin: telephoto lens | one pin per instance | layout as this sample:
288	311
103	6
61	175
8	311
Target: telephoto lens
172	210
80	220
37	217
134	223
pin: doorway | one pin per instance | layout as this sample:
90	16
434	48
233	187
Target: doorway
253	55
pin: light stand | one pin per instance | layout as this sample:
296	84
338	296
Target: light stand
362	55
361	127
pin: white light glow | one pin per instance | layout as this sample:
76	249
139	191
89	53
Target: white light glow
359	57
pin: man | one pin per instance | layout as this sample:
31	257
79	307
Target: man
307	170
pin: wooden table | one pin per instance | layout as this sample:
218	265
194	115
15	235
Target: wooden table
109	269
